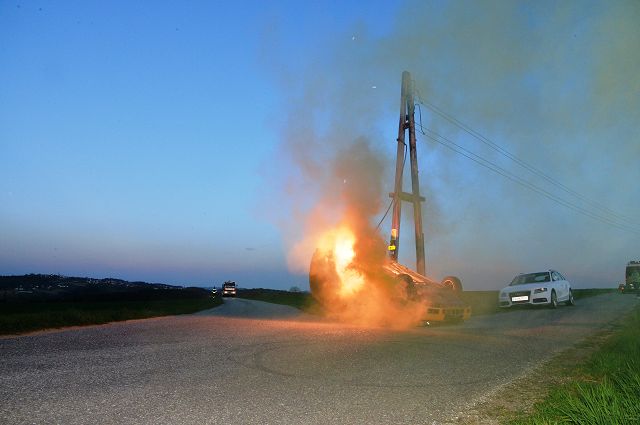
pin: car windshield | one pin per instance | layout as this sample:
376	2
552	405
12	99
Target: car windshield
523	279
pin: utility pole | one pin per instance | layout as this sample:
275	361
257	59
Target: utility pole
407	122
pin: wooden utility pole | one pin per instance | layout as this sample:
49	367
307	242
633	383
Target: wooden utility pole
407	122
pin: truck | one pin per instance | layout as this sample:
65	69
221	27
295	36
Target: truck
229	289
632	278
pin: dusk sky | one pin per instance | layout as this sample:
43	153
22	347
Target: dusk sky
171	142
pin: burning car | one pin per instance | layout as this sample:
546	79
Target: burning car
441	299
375	290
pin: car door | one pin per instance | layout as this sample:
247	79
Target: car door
567	285
560	285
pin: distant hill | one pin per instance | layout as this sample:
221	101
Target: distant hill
49	287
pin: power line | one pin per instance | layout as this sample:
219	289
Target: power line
385	214
501	171
510	176
525	165
404	160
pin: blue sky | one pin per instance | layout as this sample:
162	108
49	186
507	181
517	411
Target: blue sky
145	141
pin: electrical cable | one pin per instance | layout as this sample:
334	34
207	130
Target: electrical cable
385	214
404	160
522	163
505	173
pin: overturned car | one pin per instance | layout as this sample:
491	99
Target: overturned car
385	291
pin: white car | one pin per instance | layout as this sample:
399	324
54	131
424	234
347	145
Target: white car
540	288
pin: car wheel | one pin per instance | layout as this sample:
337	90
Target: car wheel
571	301
554	300
452	283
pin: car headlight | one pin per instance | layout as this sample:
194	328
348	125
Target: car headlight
503	295
539	290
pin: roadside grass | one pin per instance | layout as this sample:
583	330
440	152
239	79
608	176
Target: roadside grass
24	317
603	390
592	292
301	300
481	302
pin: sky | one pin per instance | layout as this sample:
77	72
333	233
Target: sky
187	142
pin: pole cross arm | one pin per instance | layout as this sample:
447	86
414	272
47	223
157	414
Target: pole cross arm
407	197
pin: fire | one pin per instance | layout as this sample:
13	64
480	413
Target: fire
347	276
344	254
351	281
339	244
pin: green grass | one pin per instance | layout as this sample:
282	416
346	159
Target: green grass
301	300
481	302
30	316
585	293
604	390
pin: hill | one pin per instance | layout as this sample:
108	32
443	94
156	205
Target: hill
51	287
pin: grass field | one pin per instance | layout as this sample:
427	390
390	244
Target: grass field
603	390
301	300
24	317
481	302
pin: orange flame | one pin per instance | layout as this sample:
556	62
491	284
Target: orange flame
347	277
340	244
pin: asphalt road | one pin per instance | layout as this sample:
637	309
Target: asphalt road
254	363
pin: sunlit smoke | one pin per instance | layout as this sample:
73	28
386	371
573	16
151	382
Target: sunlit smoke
344	254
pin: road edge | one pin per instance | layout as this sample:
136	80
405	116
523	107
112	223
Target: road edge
519	395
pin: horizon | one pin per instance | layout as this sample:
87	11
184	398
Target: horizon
189	143
240	286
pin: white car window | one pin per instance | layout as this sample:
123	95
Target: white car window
542	277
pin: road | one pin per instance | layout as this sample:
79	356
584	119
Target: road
254	363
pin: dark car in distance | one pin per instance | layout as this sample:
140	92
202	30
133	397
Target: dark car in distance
229	289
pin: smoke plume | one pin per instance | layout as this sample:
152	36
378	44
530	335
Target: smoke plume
554	83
